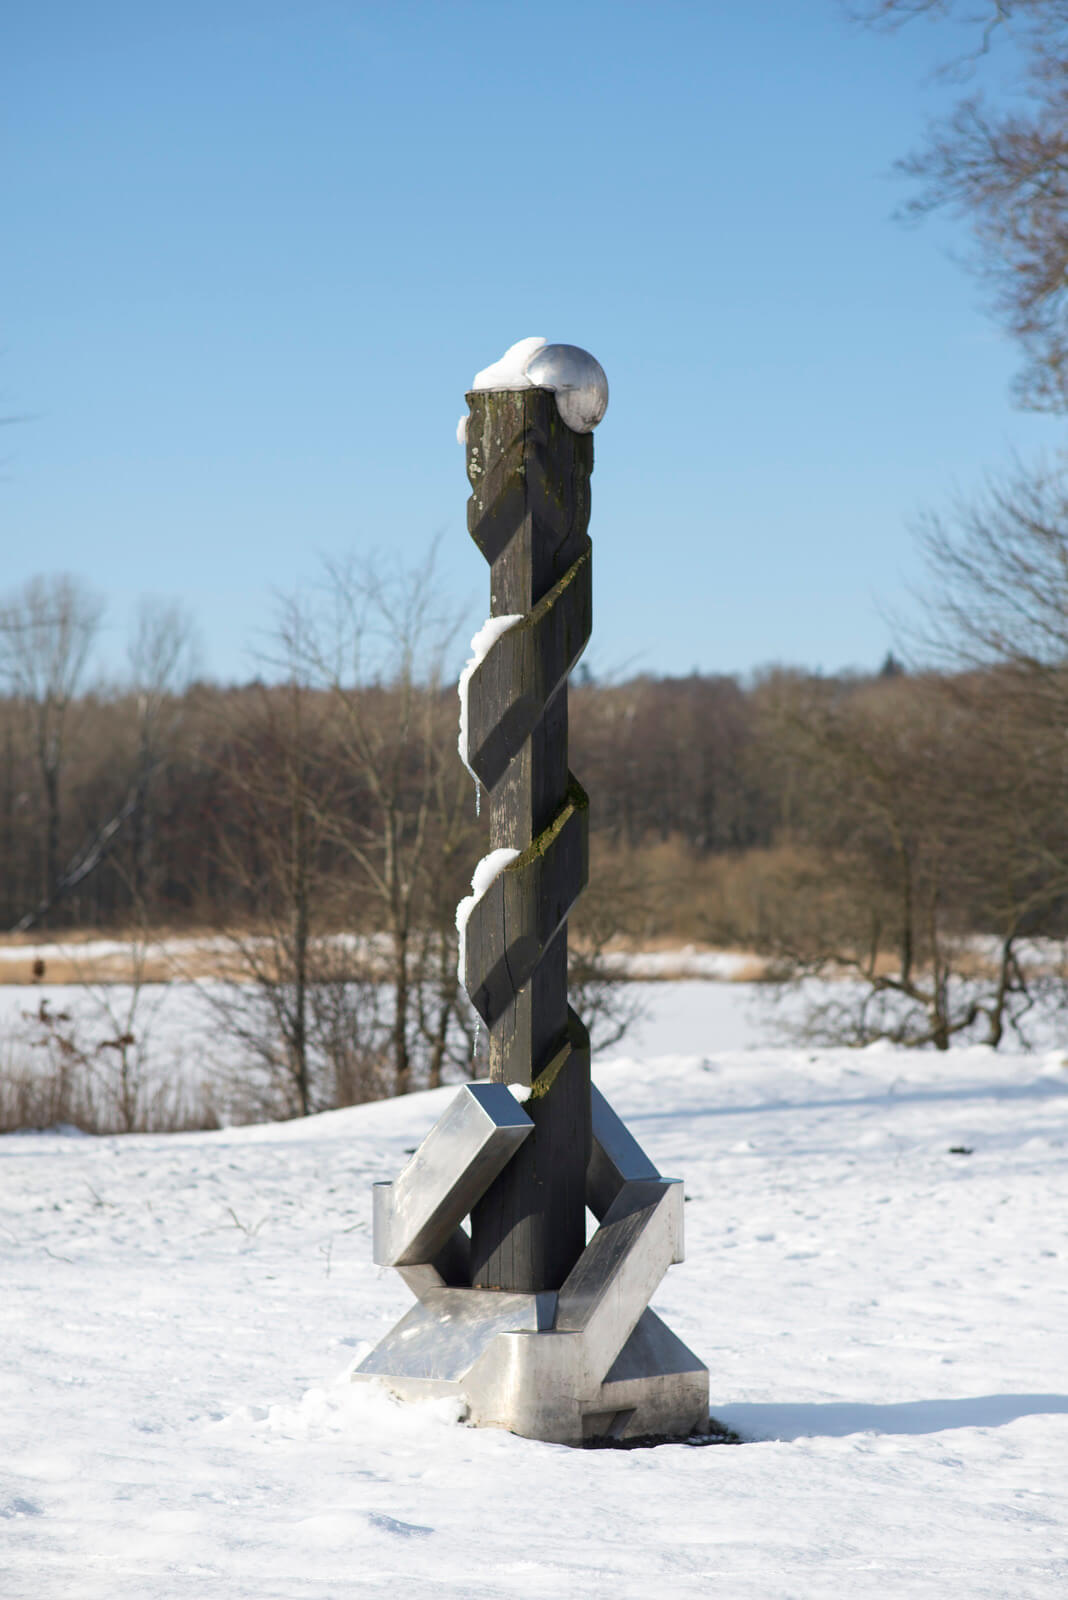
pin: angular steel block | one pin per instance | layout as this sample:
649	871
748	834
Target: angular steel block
616	1157
653	1386
621	1268
443	1336
464	1151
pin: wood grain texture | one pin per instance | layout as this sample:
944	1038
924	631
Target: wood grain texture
528	514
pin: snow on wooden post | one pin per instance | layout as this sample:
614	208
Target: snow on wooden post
529	459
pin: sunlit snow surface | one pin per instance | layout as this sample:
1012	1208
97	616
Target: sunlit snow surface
481	645
510	371
487	870
179	1315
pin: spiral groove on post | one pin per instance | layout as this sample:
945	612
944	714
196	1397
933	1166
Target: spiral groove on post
528	514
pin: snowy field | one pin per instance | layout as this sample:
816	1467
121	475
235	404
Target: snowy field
186	1057
884	1320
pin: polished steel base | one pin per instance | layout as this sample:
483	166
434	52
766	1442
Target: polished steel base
590	1361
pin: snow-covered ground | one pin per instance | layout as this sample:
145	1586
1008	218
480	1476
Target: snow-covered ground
186	1055
886	1321
729	966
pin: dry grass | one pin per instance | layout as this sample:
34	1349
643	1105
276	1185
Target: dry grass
38	1095
70	958
664	895
654	899
64	969
75	958
650	901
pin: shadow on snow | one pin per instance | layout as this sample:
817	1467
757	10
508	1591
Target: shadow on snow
837	1419
1037	1089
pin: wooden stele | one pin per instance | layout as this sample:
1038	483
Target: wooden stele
528	1326
528	514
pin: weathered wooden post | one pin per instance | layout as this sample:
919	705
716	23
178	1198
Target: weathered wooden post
538	1331
528	514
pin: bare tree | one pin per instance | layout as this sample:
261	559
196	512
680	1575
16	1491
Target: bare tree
996	602
1003	169
376	646
162	658
305	1000
932	848
997	590
47	632
268	840
446	1021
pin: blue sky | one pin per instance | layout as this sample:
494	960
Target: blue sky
255	250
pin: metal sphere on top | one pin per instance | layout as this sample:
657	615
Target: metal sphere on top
578	380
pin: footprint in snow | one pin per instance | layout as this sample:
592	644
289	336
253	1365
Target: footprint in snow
20	1508
406	1530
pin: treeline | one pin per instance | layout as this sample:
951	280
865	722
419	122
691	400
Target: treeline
176	822
852	815
909	830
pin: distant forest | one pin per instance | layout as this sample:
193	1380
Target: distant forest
869	823
183	810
